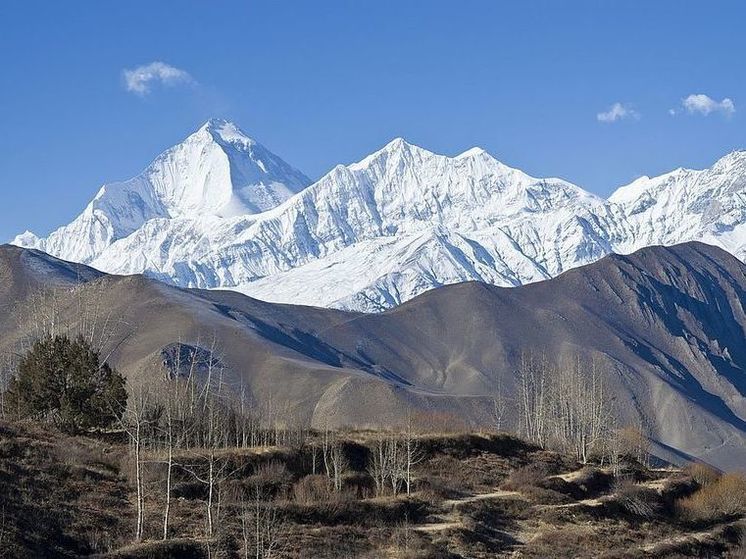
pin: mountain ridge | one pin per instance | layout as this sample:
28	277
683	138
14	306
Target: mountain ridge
664	326
402	220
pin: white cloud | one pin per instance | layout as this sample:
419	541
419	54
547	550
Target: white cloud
702	104
139	80
618	111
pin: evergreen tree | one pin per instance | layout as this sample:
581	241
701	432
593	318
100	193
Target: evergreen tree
61	380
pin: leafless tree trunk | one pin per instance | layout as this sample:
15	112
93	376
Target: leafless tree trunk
260	528
397	464
169	470
378	466
499	403
533	399
339	464
211	469
326	446
580	411
413	453
314	452
169	435
134	422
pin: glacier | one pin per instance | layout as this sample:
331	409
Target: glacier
220	211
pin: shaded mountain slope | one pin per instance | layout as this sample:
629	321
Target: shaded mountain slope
665	326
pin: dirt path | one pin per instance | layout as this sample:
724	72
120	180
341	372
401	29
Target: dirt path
444	524
574	475
452	519
712	536
496	494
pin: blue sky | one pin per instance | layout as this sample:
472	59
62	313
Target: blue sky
328	82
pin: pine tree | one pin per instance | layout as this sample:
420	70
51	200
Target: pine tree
62	380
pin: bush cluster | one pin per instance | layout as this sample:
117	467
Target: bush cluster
63	381
722	497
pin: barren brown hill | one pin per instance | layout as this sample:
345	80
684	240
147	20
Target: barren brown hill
665	326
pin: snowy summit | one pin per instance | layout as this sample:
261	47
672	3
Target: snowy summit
219	210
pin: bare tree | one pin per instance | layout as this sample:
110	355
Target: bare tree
581	413
533	392
96	320
499	404
392	459
412	453
171	439
261	527
77	310
43	310
169	469
327	440
338	463
378	465
211	468
568	406
634	442
134	421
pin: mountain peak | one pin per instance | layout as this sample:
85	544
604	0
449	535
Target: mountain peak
226	131
734	158
395	150
216	172
472	152
397	143
400	145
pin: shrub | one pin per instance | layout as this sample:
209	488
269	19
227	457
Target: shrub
530	475
273	471
703	474
588	482
739	551
63	381
313	489
592	480
721	498
635	499
545	496
272	479
170	549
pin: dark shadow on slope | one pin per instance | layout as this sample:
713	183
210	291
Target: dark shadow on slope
701	322
685	457
690	386
312	346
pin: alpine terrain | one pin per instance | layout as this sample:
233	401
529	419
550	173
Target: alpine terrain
221	211
663	327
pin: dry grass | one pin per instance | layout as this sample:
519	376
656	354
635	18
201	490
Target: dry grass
636	499
72	497
703	474
313	489
527	476
61	496
723	498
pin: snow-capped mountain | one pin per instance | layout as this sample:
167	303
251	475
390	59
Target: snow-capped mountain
707	205
375	233
216	172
